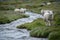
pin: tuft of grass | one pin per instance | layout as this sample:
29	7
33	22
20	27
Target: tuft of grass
54	35
36	23
43	32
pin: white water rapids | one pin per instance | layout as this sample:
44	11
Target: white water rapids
10	32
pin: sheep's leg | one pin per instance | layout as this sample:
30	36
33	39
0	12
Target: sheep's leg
49	23
46	22
50	20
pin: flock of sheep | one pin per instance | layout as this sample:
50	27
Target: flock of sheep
47	14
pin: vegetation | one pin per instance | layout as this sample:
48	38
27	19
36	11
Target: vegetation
43	31
32	5
8	16
57	19
53	32
54	35
37	27
36	23
38	30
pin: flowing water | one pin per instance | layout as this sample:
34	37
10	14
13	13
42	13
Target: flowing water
10	32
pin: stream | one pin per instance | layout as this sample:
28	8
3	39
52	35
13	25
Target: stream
10	32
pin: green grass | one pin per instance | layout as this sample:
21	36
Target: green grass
54	35
36	23
8	16
43	32
37	27
57	19
32	5
25	1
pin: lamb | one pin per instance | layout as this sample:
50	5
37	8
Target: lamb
48	16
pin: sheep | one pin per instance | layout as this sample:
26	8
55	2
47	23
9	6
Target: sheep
48	16
21	10
48	3
45	3
16	10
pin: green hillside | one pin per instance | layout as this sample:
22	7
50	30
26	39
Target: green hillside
37	27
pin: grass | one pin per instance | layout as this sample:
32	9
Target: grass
57	19
43	32
32	5
36	23
8	16
37	27
54	35
25	1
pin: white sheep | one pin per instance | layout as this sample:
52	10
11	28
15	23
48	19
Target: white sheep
21	10
48	16
48	3
16	10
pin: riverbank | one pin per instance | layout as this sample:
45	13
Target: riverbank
38	28
30	26
9	16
